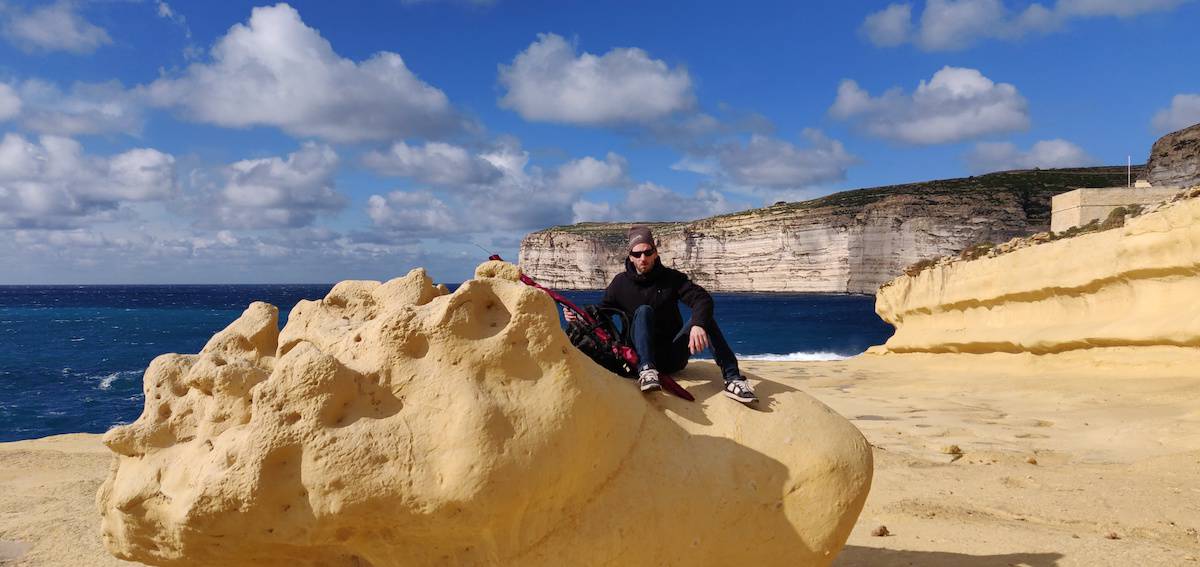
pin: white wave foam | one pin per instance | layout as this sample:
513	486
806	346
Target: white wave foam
106	381
790	357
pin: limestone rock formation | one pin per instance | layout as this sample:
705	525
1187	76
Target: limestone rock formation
1175	159
398	424
847	242
1133	286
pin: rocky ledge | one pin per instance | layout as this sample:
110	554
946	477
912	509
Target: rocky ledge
1175	159
1131	286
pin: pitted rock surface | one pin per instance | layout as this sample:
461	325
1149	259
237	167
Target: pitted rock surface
398	424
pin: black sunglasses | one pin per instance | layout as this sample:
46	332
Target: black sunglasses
649	252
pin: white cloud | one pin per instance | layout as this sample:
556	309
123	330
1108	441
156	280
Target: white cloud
276	71
956	104
175	254
512	196
659	202
889	27
52	183
991	156
89	108
950	24
653	202
770	162
1120	8
589	211
417	212
589	173
947	25
693	164
10	102
549	82
448	165
435	162
527	198
55	27
1183	112
275	192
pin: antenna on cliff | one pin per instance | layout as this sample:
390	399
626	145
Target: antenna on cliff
1128	171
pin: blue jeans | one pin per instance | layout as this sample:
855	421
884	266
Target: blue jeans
673	356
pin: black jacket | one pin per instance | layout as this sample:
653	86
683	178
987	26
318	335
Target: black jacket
661	288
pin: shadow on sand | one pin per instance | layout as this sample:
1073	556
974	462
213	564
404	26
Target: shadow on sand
856	556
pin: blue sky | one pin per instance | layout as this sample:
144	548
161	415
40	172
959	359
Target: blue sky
212	142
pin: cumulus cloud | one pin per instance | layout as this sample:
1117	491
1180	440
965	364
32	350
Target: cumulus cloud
527	197
447	165
889	27
88	108
512	196
276	192
276	71
416	212
434	162
957	24
55	27
771	162
652	202
1120	8
589	173
550	82
52	183
956	104
1002	156
10	102
1183	112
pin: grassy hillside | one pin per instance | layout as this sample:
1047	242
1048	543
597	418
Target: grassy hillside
1032	188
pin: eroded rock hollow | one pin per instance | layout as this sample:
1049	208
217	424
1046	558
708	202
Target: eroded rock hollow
399	424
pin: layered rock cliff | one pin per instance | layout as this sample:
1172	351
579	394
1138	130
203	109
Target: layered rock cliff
1175	159
395	424
1133	286
846	242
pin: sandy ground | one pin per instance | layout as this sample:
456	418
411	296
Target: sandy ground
1059	462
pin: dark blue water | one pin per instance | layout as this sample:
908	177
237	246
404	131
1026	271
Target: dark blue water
71	358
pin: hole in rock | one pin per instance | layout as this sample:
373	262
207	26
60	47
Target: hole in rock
478	313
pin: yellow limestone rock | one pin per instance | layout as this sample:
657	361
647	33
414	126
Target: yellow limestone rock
1129	287
396	424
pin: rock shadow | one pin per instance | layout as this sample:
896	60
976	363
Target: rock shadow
858	556
703	380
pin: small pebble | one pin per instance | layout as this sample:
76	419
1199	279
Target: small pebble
952	450
1031	460
881	531
1112	535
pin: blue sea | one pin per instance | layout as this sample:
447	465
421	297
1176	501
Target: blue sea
72	357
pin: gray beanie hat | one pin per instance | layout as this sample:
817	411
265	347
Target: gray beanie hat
640	234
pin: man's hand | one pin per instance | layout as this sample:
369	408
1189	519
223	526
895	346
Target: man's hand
568	314
698	340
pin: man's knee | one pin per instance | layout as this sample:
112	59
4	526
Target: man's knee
643	313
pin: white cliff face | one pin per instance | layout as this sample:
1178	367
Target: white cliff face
846	243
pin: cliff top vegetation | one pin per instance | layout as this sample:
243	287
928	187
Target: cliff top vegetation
1032	188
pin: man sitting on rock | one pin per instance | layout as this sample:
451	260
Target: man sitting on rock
649	293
